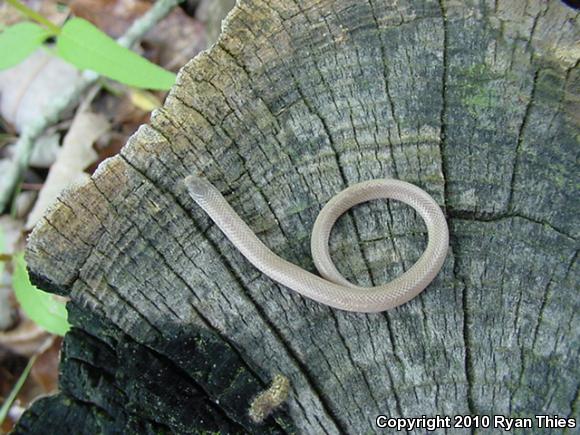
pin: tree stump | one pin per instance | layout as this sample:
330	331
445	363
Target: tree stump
175	331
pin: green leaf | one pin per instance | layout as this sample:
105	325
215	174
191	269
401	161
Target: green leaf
87	47
39	306
19	41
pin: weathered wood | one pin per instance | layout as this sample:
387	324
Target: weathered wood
476	102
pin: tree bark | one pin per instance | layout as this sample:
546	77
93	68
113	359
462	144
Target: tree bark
475	102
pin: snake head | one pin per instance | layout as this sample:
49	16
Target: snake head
197	187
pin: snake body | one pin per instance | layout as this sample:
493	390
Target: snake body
332	288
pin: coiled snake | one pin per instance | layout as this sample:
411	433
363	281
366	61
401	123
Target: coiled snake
333	289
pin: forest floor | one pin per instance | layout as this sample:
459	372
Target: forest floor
89	130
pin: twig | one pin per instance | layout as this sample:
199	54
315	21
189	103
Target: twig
16	389
5	409
32	14
25	144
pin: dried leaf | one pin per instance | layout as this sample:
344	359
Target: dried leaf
144	100
11	235
23	204
11	230
112	16
45	152
25	339
175	40
77	154
40	380
31	86
211	13
45	371
8	14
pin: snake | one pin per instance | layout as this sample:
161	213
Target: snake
331	288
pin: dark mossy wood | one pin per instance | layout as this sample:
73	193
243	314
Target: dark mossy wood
477	102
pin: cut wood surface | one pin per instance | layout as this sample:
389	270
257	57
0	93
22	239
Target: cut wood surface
476	102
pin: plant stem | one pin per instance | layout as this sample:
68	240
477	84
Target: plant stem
10	399
33	15
11	175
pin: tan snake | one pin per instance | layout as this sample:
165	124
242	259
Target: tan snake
334	289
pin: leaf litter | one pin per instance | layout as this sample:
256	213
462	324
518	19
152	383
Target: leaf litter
71	151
